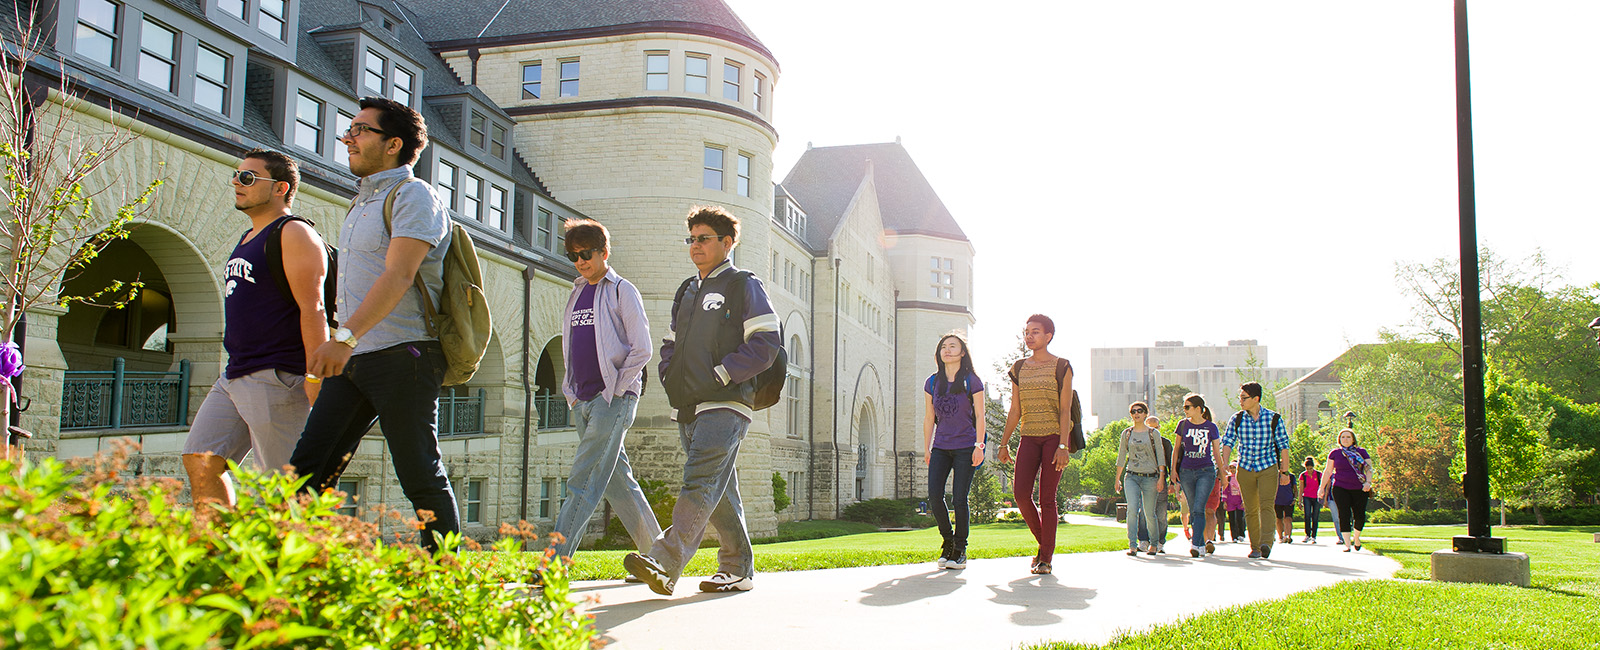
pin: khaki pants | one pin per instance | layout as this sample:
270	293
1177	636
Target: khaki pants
1260	490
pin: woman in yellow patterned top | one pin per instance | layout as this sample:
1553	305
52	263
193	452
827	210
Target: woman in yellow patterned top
1041	392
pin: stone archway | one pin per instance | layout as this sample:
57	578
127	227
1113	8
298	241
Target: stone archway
548	403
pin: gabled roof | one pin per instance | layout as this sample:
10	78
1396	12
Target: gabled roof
825	178
1329	372
454	21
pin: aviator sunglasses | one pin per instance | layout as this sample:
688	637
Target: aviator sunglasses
247	178
584	254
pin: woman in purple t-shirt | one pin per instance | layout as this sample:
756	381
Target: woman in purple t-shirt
1349	470
953	435
1196	460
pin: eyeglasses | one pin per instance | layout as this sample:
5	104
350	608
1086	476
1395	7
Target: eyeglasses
584	254
1138	412
247	178
700	239
1243	396
356	130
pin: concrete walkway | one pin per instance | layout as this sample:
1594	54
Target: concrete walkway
991	604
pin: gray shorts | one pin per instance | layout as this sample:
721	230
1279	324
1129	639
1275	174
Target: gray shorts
264	410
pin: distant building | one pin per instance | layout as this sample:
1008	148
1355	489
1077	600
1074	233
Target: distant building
1306	400
1120	376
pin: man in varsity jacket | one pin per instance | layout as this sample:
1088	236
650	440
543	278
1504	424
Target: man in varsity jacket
723	334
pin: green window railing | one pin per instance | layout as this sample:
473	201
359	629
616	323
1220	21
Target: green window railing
552	410
120	398
461	415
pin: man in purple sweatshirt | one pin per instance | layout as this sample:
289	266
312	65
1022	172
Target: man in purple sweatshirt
723	334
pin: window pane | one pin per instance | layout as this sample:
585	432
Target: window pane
157	40
341	123
694	80
99	13
402	86
210	95
271	25
497	143
497	208
655	63
155	72
569	78
476	130
730	82
211	65
95	45
374	67
713	157
233	8
274	7
532	74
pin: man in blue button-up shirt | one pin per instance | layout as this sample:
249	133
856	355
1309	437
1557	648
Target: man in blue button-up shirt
1263	445
382	365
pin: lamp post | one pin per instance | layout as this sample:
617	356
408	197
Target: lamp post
1350	420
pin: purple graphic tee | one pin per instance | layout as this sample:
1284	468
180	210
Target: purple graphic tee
585	361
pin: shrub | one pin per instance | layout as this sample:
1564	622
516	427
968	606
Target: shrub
881	512
98	561
985	501
780	492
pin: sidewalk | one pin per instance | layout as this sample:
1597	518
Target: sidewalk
991	604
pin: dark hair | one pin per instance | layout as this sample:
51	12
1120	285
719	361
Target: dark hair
1354	441
397	120
583	234
718	219
1142	405
1194	399
1045	322
281	168
1251	388
1310	461
965	370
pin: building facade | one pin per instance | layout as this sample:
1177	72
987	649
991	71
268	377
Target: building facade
629	112
1120	376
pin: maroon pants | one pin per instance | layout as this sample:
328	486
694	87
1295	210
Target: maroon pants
1036	467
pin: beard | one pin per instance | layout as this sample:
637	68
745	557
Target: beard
247	204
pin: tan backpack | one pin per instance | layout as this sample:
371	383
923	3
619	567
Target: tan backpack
461	321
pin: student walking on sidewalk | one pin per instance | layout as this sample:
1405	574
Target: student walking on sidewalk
1139	458
1261	440
1310	482
1197	459
1283	507
1233	499
952	434
1041	408
1349	471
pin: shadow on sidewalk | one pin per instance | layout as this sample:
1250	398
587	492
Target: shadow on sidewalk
900	591
1039	597
607	617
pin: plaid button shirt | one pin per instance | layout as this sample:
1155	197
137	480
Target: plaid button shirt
1256	440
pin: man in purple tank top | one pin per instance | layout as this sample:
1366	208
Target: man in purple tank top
261	401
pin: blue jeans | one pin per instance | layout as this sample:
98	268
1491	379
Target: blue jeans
1197	483
940	464
1313	511
397	387
710	496
1141	491
601	469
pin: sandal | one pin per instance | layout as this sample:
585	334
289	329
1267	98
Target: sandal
1044	569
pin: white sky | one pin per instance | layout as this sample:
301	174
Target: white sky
1205	171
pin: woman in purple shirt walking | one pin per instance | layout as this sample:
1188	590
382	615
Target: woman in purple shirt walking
1349	470
953	435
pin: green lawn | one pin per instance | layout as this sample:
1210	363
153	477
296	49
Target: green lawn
1557	612
866	549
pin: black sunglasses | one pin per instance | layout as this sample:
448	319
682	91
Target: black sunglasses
700	239
247	178
584	254
1138	412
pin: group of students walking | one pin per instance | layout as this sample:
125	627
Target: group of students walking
301	389
1241	477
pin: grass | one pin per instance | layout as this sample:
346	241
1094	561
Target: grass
869	549
815	529
1558	611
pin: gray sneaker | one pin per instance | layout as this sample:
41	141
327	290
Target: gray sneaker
724	582
648	570
957	562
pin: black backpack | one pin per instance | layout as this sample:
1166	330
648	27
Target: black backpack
330	283
769	382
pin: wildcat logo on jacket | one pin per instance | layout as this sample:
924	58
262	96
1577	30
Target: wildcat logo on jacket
712	301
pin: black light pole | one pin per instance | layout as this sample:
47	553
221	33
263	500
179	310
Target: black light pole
1476	481
1350	420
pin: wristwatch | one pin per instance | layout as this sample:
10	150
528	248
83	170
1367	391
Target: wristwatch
1063	445
980	446
345	336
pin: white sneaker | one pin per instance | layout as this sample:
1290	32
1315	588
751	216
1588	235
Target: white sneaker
724	581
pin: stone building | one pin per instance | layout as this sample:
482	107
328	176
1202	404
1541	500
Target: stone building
629	112
1306	400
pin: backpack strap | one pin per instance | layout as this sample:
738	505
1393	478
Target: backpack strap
1062	366
274	248
429	313
1016	372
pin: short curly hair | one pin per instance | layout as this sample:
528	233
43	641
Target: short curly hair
718	219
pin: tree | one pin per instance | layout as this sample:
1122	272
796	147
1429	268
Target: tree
49	156
984	503
1516	427
1397	394
1169	401
1534	321
1416	462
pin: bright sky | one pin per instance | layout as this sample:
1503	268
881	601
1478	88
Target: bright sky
1205	171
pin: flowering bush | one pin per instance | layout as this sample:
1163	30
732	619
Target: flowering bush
95	560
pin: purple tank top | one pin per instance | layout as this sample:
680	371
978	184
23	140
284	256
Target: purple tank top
263	326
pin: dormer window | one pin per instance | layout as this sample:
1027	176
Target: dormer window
271	18
236	8
158	56
211	79
403	82
374	77
477	129
96	34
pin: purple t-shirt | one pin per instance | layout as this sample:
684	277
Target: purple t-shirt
1198	441
1285	494
1344	474
263	326
585	361
957	426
